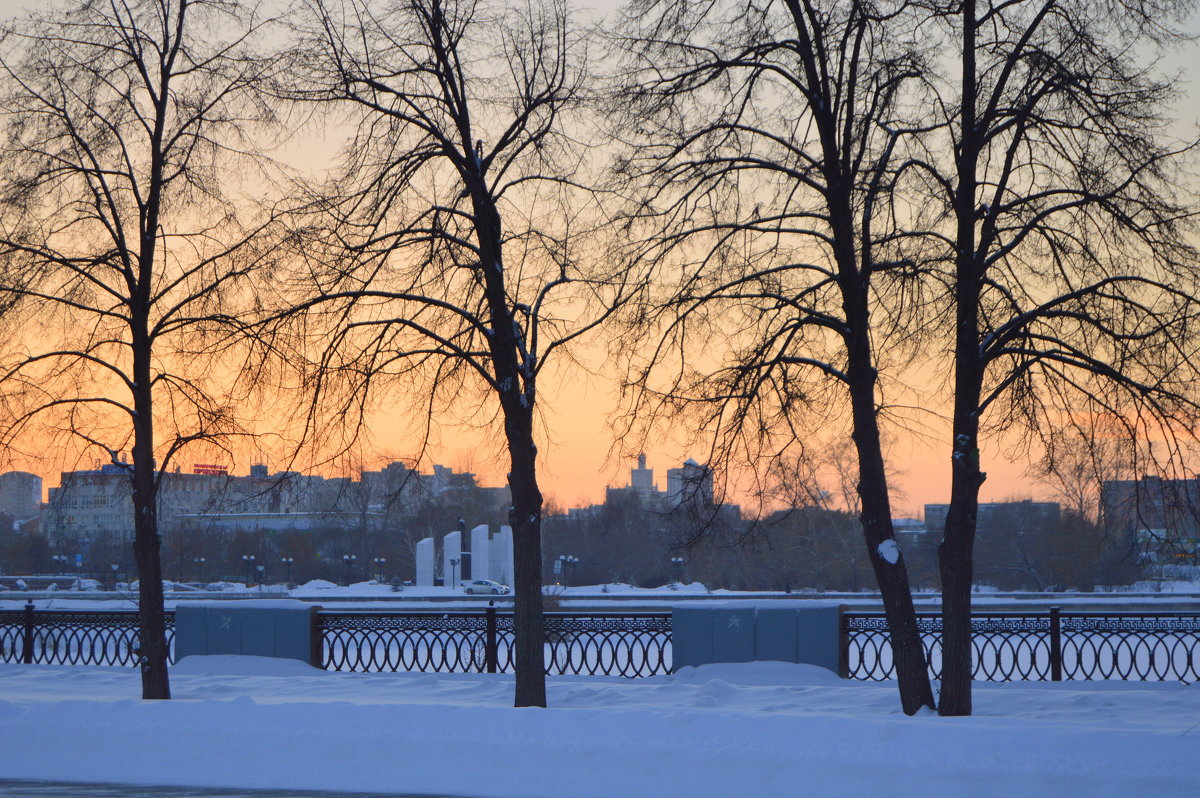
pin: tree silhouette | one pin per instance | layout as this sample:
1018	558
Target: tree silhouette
771	139
444	255
125	255
1072	284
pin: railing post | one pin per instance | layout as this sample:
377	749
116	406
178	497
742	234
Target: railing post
490	654
843	644
27	641
1055	645
317	640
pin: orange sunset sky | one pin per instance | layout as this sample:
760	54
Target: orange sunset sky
578	455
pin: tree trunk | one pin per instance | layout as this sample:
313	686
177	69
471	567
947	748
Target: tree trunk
514	370
152	627
955	562
887	561
956	550
854	275
908	653
525	516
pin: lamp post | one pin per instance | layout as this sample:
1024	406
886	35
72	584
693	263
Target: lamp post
61	561
379	561
348	560
262	573
115	568
453	572
199	561
678	562
287	562
248	561
567	560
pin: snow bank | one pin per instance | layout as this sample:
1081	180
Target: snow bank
243	665
761	729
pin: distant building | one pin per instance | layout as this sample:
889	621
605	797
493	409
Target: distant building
1027	512
641	490
20	495
910	530
98	503
691	483
689	487
641	479
1162	513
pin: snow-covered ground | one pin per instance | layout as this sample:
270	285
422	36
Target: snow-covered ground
760	729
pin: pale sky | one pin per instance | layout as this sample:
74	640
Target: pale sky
576	463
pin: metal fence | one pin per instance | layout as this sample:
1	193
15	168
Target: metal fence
1046	646
59	637
1051	645
625	644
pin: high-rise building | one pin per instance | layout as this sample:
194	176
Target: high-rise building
641	479
20	495
691	483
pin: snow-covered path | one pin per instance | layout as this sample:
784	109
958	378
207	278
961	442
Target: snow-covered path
762	729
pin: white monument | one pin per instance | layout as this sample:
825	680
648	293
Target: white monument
424	558
500	556
481	566
452	559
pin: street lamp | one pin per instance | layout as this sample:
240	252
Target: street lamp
248	561
678	562
567	560
349	560
287	561
262	573
379	561
199	561
61	561
115	568
453	572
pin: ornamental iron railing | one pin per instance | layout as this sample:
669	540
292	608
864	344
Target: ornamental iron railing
624	644
1053	645
1047	646
60	637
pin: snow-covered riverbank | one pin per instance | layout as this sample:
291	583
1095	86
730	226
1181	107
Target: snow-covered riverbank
761	729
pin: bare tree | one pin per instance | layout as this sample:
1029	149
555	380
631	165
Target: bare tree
125	257
773	138
1080	457
454	224
1073	289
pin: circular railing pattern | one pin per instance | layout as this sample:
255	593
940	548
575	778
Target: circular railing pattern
1143	646
78	638
1152	647
1009	647
615	645
389	642
630	645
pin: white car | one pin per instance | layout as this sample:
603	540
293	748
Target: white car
486	586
